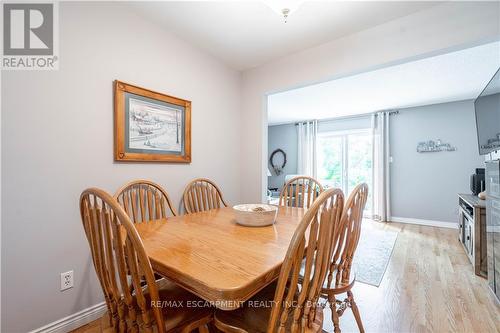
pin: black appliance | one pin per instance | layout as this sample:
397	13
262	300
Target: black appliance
477	181
487	107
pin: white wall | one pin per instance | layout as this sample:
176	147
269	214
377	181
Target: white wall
345	124
436	30
57	139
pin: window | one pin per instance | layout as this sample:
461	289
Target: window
345	159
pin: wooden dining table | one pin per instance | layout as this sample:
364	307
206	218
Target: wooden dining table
212	256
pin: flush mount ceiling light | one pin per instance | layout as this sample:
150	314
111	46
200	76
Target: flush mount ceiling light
284	8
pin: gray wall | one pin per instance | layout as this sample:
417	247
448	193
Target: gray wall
285	138
57	139
425	185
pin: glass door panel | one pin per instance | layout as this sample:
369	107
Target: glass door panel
330	161
344	160
360	163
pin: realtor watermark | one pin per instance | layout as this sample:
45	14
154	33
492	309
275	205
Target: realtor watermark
230	304
30	36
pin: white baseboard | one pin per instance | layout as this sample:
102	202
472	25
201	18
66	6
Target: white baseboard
430	223
75	320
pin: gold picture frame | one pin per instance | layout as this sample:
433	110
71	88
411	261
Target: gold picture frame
150	126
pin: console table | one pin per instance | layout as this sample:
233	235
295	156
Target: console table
472	231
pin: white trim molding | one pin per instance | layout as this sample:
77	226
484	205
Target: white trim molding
75	320
430	223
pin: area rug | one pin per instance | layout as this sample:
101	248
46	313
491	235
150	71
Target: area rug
373	253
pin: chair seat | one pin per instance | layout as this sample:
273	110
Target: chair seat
181	308
254	316
327	288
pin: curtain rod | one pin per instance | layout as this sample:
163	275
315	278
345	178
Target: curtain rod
391	113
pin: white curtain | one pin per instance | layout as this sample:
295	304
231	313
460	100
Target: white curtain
381	167
306	148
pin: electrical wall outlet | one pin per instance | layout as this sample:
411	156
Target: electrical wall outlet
66	280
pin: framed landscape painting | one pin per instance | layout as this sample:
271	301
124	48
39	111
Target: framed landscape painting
150	126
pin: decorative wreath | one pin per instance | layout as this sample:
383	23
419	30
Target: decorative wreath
278	169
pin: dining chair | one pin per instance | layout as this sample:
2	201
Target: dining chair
289	305
202	194
300	191
144	200
339	279
135	301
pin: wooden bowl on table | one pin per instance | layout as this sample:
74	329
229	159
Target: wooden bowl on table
255	215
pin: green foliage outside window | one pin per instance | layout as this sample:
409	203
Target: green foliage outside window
356	150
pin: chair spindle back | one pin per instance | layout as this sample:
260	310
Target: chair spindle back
144	200
312	242
121	264
202	194
343	252
300	191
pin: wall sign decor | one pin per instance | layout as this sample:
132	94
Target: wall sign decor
150	126
278	169
434	146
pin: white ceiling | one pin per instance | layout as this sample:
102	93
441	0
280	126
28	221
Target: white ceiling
246	34
450	77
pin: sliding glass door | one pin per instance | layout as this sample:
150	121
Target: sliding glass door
330	152
345	159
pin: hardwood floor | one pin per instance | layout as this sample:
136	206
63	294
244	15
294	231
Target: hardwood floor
429	286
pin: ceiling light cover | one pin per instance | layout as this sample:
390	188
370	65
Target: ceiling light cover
284	7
